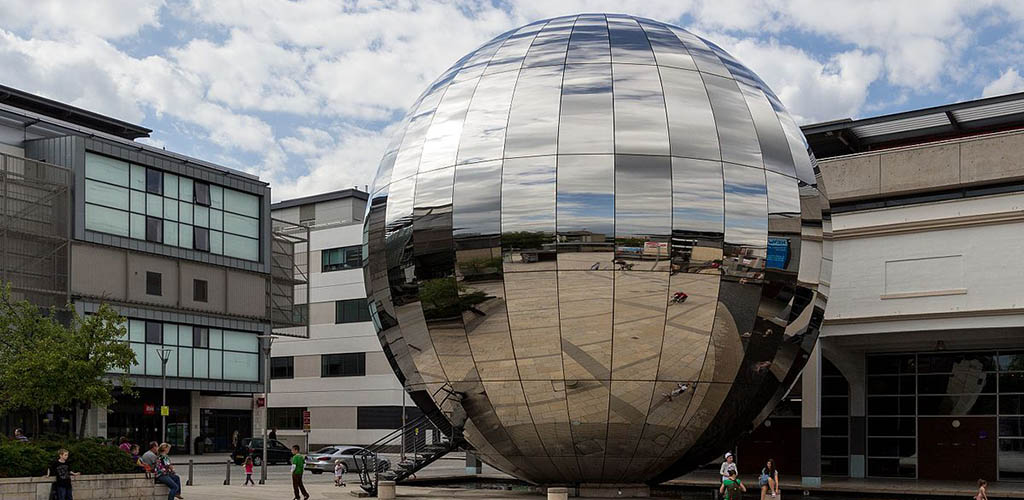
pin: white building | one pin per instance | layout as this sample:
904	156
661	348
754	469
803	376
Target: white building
339	374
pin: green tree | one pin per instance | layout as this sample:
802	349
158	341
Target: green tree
44	363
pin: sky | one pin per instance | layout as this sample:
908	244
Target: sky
306	93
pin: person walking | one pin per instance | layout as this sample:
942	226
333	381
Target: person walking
62	474
728	465
732	487
298	464
165	472
339	473
248	472
982	490
769	480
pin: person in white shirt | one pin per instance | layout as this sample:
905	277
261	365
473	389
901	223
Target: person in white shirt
728	465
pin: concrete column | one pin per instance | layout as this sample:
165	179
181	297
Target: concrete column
473	464
386	490
810	421
96	425
558	493
194	421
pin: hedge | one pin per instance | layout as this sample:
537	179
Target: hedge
87	456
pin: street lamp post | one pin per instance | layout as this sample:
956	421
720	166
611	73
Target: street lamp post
269	339
165	355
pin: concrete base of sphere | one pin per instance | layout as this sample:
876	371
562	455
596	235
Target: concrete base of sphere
386	490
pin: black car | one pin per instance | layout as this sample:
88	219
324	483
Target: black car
277	452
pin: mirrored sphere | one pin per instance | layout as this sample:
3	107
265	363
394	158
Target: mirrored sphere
601	238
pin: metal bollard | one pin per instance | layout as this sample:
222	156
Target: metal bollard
227	473
189	482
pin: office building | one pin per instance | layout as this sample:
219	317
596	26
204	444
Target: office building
339	374
179	246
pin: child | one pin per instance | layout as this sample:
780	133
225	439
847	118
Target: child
339	473
136	459
62	472
248	472
982	490
731	488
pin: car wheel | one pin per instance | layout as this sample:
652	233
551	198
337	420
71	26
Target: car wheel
257	461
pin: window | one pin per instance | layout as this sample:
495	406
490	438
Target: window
307	215
202	193
154	181
284	418
199	290
336	259
384	417
300	314
133	201
352	364
154	229
154	332
201	238
283	367
200	336
154	283
351	311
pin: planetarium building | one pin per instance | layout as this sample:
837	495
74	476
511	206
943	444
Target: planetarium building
599	238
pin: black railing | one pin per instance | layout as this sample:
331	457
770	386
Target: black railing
422	452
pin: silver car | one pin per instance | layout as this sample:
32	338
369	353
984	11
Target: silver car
323	460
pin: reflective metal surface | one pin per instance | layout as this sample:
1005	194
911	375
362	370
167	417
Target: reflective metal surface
605	234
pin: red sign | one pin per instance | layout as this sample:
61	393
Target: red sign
305	421
148	409
260	402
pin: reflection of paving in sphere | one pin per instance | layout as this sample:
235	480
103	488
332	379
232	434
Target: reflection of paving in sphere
534	218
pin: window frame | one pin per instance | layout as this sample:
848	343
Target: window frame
201	244
347	261
362	311
201	337
288	368
158	223
198	190
198	286
157	327
154	181
347	364
154	281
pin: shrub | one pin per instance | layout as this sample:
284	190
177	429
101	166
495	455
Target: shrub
88	456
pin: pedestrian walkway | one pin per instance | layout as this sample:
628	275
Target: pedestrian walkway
862	487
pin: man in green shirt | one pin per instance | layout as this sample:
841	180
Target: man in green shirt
298	464
732	487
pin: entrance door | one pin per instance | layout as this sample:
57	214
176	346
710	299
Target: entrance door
956	447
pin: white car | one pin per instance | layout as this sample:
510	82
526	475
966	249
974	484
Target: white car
322	460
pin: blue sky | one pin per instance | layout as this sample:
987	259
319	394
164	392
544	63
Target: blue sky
304	93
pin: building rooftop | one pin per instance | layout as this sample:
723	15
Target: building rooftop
848	136
322	197
71	114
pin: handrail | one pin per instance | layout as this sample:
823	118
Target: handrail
367	458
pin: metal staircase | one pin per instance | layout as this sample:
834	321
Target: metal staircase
432	437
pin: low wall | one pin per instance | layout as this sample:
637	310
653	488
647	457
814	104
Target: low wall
99	486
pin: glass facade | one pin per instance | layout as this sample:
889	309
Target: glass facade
591	228
912	398
143	203
196	352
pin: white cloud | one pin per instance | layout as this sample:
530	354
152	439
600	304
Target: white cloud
110	19
1007	83
811	90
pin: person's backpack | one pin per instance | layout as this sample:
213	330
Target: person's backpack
733	491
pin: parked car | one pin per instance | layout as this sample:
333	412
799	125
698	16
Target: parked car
322	460
277	452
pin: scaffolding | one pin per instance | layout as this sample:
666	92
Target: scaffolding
288	271
35	230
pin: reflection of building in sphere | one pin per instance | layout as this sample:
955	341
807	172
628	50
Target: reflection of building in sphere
538	213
